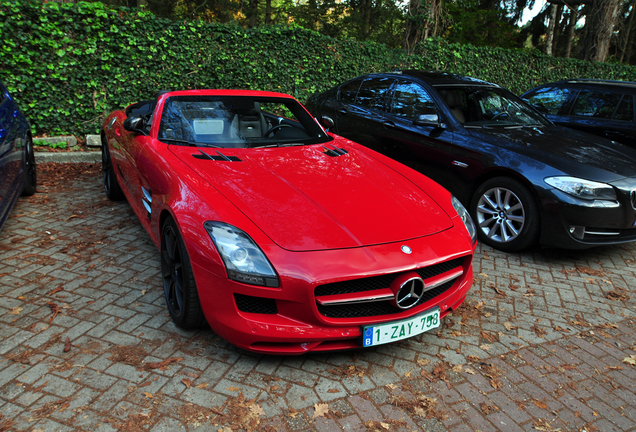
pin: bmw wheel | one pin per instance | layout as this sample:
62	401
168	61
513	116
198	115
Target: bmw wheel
30	173
179	286
505	214
111	185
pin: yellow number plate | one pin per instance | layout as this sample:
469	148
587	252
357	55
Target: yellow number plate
397	330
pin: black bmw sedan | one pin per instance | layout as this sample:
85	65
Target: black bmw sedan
525	180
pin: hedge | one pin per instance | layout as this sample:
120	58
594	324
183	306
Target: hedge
69	64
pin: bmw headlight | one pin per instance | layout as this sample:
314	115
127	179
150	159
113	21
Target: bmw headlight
244	260
583	189
465	217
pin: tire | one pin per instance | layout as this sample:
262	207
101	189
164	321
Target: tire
506	215
179	286
111	185
30	172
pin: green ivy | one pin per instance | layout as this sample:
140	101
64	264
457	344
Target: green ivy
69	64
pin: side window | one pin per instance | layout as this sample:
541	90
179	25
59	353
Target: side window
596	104
349	91
625	111
410	99
549	100
373	93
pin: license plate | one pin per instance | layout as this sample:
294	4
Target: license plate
397	330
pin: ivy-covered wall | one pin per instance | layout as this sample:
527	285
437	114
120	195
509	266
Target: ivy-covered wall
69	64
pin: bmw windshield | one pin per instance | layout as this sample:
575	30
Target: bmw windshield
481	106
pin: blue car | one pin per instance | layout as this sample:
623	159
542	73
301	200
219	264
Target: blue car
17	161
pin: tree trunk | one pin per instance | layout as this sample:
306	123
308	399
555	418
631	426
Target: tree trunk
574	16
600	25
551	26
253	13
557	29
268	11
628	30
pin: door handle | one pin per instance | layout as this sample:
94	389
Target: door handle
389	125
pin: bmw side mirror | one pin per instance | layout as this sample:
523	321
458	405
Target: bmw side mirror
134	124
327	122
426	120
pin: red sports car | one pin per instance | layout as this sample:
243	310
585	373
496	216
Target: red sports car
284	237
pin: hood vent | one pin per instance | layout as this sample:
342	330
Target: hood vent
334	151
217	157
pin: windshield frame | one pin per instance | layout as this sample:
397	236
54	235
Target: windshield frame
221	120
516	114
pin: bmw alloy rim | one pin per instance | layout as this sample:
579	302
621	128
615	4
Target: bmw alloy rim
500	215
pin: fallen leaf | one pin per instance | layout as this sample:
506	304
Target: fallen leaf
385	425
407	374
470	371
320	410
458	368
480	305
164	363
16	310
56	290
201	386
233	389
257	410
187	382
508	326
630	360
67	346
540	404
423	362
55	309
485	347
148	395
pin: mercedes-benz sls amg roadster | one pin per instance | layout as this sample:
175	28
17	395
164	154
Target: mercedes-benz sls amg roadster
284	237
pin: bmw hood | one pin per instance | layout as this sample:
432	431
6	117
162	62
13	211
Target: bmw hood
573	152
307	198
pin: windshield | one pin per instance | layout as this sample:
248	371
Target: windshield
237	121
489	107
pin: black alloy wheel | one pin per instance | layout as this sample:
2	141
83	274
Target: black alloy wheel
179	286
506	215
111	185
30	172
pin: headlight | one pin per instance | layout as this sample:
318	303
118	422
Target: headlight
465	217
584	189
244	260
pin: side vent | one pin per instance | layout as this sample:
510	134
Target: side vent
217	157
147	200
334	151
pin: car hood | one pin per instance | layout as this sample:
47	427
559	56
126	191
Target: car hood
573	152
305	198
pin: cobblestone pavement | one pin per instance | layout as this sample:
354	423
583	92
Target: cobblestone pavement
545	341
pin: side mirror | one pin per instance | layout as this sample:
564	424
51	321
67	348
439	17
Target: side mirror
134	124
327	122
426	120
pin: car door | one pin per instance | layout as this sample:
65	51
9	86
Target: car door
362	118
553	102
10	149
605	113
428	148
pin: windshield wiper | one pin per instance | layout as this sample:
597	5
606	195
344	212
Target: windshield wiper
190	143
276	145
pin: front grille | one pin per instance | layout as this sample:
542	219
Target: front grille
377	308
383	281
259	305
376	298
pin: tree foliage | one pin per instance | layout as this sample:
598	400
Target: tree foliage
68	65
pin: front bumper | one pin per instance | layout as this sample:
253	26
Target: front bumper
299	316
568	222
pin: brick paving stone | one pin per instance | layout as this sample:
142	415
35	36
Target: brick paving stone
113	297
